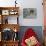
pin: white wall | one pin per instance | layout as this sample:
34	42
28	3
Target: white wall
27	4
32	4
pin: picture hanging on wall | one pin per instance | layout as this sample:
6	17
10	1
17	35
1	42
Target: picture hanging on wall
29	13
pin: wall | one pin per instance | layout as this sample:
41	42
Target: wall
27	4
32	4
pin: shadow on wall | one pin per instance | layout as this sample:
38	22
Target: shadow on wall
37	29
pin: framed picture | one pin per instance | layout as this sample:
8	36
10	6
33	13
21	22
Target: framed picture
5	12
13	12
29	13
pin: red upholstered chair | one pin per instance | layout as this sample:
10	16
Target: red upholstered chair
29	33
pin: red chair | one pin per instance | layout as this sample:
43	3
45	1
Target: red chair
29	33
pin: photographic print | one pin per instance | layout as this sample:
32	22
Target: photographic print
5	12
29	13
